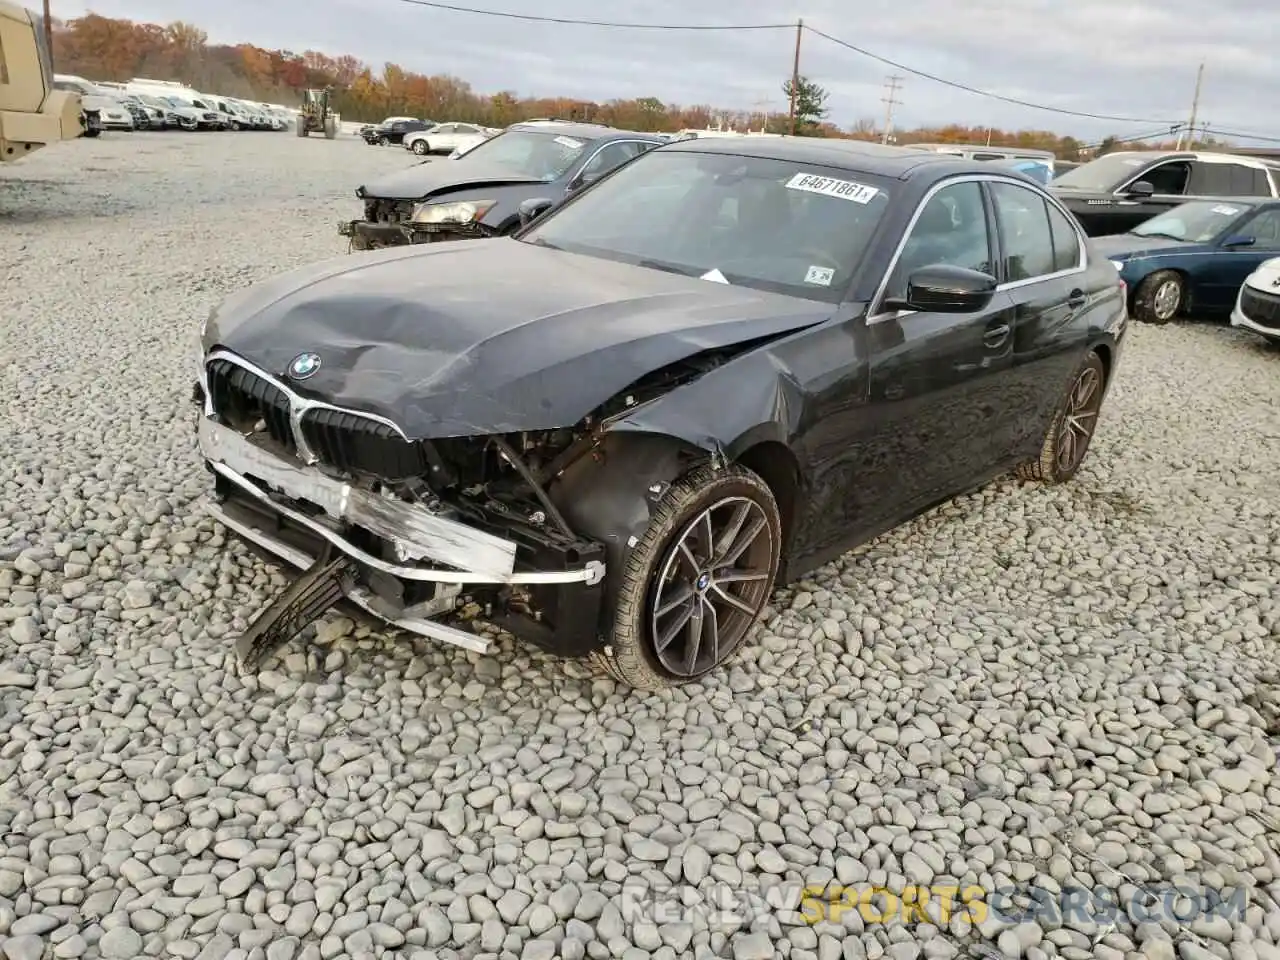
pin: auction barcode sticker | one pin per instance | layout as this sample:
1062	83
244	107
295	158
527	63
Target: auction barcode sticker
569	142
829	187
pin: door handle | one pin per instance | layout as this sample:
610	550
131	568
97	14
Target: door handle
1076	299
995	336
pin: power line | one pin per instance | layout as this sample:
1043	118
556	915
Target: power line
532	18
744	27
975	90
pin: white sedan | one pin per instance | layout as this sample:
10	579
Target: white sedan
446	138
1258	304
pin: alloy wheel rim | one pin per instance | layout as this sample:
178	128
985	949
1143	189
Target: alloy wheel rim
1168	295
712	586
1080	418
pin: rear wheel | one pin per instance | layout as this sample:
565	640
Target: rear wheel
1072	429
420	147
1159	297
697	581
383	141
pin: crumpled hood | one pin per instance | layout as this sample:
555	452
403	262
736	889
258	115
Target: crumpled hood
423	179
488	336
1130	247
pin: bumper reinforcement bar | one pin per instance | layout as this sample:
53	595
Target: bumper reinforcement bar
483	558
290	554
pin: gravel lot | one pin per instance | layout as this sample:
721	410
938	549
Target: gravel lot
1030	686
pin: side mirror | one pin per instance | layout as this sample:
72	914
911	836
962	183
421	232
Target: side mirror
1140	189
1239	240
942	288
533	208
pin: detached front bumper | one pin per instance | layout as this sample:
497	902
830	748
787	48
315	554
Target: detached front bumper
296	513
367	235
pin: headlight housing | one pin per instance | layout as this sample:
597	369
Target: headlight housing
459	211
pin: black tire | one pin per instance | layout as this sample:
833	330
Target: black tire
383	141
1160	297
632	653
420	148
1073	426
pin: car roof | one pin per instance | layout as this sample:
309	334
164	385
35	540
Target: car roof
897	163
581	131
1205	156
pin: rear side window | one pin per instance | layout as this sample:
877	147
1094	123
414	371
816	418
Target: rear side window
1023	220
1066	243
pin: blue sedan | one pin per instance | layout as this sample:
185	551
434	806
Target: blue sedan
1194	257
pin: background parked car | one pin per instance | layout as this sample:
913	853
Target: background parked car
1258	303
1194	257
393	131
1116	192
447	137
114	114
480	193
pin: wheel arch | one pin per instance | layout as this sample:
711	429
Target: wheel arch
777	465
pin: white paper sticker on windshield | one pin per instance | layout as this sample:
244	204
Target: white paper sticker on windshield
714	275
1226	211
820	275
828	187
569	142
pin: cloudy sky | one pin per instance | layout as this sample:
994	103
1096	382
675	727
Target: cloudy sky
1134	59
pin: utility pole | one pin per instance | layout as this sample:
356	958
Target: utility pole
1195	108
891	100
48	34
795	76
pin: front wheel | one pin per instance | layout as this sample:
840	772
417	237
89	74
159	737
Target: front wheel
383	141
697	581
420	147
1159	297
1072	429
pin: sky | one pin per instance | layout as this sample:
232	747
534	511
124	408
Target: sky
1133	59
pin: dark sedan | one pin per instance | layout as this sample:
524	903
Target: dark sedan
1118	191
479	194
1195	257
394	131
721	366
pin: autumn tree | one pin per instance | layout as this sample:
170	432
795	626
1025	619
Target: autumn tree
810	103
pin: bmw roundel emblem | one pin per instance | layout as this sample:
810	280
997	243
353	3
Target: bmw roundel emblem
304	365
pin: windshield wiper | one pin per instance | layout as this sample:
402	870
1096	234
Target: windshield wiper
666	267
539	242
1157	233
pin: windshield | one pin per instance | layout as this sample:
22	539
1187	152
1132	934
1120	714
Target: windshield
769	224
1104	174
1196	222
541	155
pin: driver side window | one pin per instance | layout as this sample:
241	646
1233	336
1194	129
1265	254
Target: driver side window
613	155
951	230
1265	228
1169	178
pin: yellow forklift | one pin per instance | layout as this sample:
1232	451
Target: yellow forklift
317	115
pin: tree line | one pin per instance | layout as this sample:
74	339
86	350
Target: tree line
104	48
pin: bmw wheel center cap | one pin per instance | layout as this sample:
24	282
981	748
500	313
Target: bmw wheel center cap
304	365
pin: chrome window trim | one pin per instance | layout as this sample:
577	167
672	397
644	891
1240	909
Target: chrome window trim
299	405
875	315
600	149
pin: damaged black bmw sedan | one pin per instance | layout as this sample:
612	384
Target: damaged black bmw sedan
721	366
